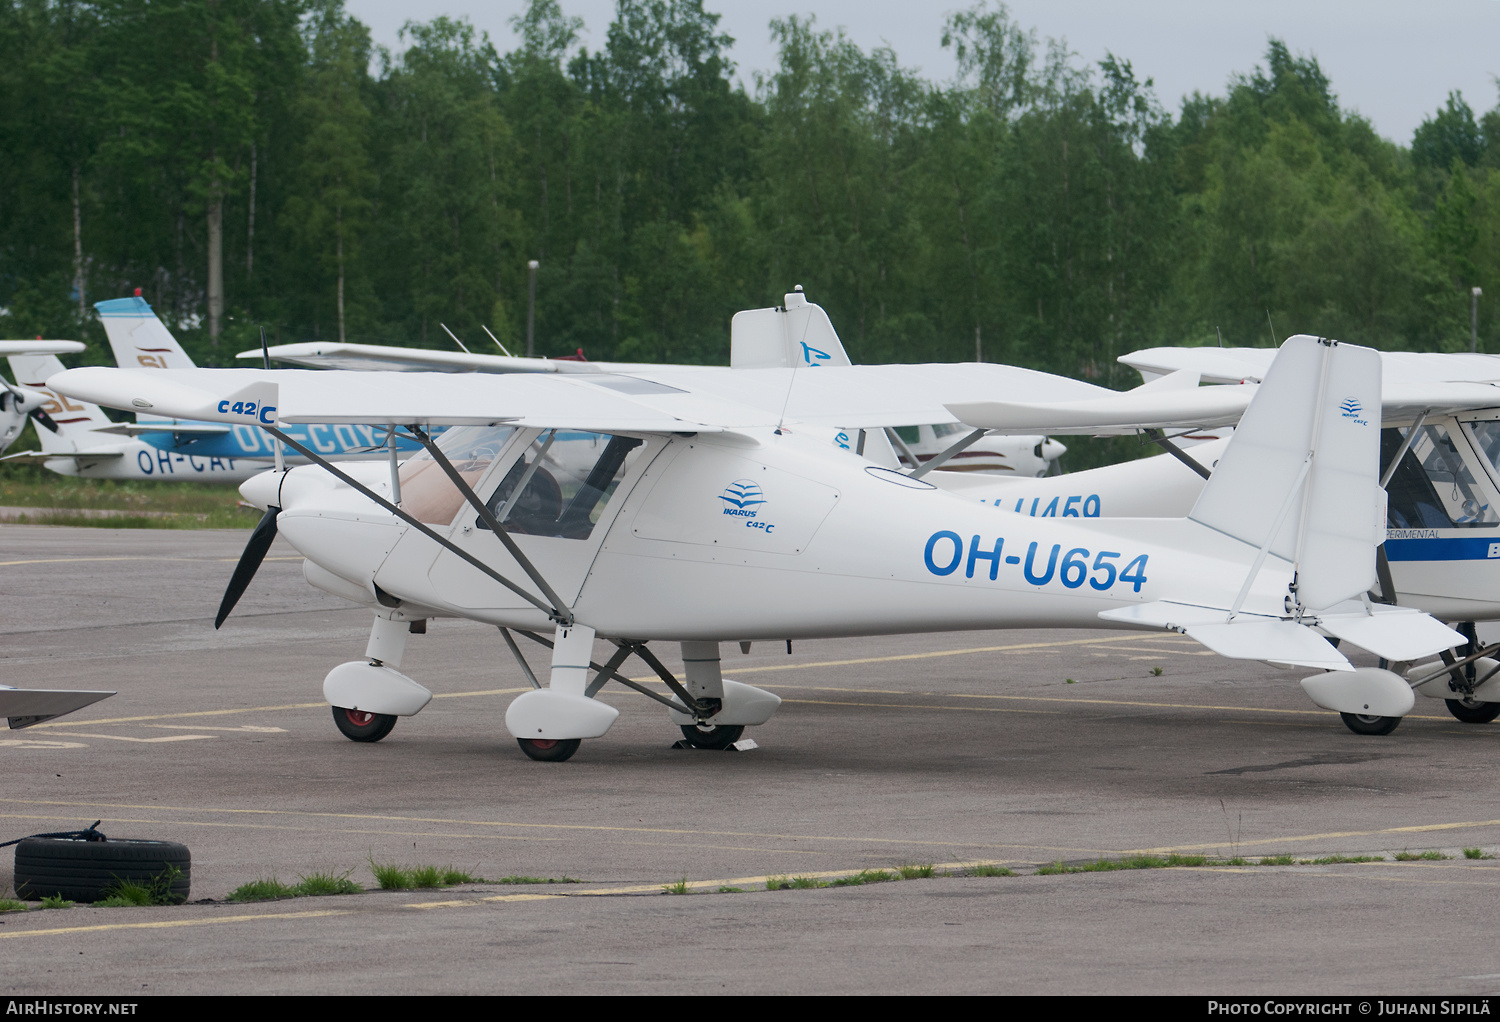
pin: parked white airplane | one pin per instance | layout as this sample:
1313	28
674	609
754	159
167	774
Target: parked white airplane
87	443
715	510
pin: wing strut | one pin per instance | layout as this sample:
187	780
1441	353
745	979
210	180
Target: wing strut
488	517
562	616
1158	437
938	459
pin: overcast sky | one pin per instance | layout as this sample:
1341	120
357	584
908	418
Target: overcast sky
1393	61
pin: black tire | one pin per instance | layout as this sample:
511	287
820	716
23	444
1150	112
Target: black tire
550	750
1369	723
1471	712
712	736
360	726
88	870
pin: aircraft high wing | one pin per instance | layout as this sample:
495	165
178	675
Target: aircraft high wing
708	510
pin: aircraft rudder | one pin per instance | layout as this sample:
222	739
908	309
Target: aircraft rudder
138	338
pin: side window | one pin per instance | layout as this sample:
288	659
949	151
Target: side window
427	494
909	434
1433	486
561	484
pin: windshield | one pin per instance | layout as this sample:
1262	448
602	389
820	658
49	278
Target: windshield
562	483
427	494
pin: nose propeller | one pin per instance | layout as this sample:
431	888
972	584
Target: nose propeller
244	571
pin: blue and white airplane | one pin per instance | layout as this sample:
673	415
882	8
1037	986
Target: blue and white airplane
140	340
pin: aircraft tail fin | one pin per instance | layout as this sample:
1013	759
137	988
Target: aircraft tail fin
796	335
1300	478
138	338
76	420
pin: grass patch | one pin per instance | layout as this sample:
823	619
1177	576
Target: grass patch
1333	860
864	876
679	887
914	870
1238	860
264	889
12	905
1133	862
129	894
519	880
1156	672
56	901
1405	856
778	883
391	877
317	884
1277	860
731	890
989	870
1476	853
168	504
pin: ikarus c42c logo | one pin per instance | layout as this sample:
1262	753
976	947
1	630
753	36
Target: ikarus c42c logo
744	498
1349	408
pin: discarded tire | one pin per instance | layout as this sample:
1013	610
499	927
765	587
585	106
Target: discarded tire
92	870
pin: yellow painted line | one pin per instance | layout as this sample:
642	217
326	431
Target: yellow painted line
124	738
825	874
260	709
671	831
170	923
95	560
1424	828
920	706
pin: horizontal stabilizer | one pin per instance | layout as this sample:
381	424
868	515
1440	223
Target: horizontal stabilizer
1247	637
40	347
1395	633
27	706
1144	408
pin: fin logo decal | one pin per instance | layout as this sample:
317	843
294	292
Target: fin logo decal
1350	408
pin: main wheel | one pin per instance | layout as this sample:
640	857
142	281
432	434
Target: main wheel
91	870
361	726
549	750
1369	723
1471	711
712	736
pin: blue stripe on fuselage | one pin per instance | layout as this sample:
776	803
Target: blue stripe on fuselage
1465	549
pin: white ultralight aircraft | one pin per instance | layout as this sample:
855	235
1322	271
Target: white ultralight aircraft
715	510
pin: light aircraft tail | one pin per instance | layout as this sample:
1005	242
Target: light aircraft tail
1298	486
138	338
796	335
75	420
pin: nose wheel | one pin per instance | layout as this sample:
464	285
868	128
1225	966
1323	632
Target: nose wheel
1369	723
361	726
712	736
549	750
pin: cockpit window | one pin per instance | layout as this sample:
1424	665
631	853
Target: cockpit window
1433	486
562	483
427	494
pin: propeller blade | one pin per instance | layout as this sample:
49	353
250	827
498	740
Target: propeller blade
43	419
255	552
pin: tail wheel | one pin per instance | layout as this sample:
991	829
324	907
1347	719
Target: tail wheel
1471	711
1369	723
712	736
361	725
549	750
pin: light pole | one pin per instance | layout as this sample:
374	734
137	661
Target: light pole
1474	294
531	308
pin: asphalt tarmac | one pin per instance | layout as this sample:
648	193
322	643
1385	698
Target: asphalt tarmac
1020	748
